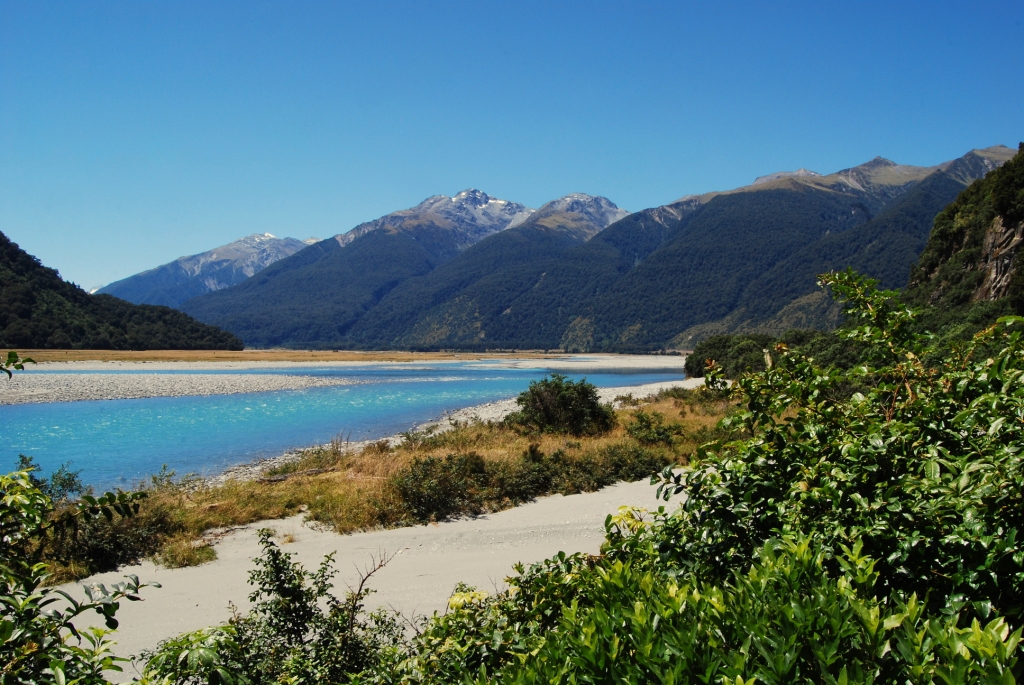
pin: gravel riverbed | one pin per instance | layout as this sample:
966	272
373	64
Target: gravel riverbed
73	387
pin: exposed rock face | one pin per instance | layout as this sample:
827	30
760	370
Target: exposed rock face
998	259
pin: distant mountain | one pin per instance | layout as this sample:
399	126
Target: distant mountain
314	297
461	302
187	277
885	247
475	213
39	310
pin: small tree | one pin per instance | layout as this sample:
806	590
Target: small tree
558	405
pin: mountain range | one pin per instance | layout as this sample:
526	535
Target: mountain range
475	272
187	277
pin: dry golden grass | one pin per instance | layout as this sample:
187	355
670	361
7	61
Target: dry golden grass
352	490
277	355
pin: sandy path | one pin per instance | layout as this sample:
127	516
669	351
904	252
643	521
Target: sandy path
430	560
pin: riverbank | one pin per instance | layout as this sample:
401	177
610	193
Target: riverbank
76	387
253	356
488	411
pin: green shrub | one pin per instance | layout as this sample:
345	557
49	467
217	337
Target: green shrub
558	405
864	537
296	632
650	429
38	639
786	619
436	489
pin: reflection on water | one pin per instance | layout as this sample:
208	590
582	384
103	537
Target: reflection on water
115	442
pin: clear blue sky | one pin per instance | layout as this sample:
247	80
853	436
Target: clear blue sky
132	133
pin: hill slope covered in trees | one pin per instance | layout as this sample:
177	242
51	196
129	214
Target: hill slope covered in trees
313	298
39	310
475	273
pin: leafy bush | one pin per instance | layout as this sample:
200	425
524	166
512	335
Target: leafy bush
735	353
435	489
296	632
558	405
39	642
650	429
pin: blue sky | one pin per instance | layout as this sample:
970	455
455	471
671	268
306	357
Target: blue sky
132	133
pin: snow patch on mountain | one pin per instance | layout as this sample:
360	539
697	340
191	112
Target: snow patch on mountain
472	211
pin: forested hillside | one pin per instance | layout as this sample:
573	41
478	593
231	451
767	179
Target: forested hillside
38	309
967	277
457	304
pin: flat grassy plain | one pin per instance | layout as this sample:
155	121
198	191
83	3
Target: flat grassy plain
274	355
379	485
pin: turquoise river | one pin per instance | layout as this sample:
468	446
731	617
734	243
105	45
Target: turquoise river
118	442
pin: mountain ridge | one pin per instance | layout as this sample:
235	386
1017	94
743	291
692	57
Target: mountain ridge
173	283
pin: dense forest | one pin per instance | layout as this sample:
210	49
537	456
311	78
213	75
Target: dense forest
39	310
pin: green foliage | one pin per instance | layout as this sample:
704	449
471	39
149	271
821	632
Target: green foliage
949	270
1008	189
650	429
14	362
867	537
40	310
296	632
59	486
435	489
735	354
39	642
558	405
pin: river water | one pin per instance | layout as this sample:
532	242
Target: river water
118	442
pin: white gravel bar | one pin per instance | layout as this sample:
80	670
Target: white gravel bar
73	387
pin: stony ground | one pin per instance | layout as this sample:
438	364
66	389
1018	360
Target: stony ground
72	387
